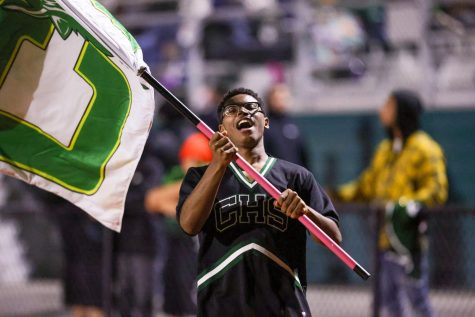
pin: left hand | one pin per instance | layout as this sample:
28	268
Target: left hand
291	204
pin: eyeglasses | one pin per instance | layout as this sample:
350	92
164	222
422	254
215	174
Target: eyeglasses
232	110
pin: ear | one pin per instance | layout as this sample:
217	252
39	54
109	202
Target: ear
221	128
266	123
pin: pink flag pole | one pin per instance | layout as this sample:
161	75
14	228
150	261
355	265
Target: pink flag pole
261	180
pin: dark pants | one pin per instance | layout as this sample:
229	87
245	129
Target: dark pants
397	287
179	275
135	285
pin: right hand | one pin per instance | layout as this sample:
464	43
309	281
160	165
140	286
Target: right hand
291	204
224	151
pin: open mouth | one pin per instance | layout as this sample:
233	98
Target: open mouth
245	123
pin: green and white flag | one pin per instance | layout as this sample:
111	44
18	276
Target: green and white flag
74	115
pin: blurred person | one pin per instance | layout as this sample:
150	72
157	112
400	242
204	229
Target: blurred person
284	140
179	272
193	13
15	195
84	292
135	247
373	23
337	35
167	134
171	68
252	247
170	130
208	113
81	237
407	172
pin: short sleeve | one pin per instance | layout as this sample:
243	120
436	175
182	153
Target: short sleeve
190	181
316	198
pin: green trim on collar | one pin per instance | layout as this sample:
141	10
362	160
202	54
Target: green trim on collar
240	175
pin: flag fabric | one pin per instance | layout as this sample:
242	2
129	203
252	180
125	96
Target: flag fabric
74	115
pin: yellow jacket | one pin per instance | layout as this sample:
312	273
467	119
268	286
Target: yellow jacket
417	172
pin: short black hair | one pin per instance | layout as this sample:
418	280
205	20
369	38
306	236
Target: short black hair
234	92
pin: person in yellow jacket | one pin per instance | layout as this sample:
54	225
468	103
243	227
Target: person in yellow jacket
407	172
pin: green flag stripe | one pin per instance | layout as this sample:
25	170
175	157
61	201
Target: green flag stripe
80	170
133	42
83	118
94	94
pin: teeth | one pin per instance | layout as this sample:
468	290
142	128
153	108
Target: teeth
244	123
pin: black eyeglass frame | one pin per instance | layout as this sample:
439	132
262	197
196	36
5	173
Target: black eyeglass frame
238	107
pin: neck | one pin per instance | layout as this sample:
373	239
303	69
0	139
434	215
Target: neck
255	156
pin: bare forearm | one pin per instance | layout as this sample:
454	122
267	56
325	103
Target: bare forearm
163	199
326	224
168	208
197	207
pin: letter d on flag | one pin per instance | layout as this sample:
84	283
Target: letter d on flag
74	115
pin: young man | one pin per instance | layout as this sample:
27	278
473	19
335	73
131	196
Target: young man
284	140
252	247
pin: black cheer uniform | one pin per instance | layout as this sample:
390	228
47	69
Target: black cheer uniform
252	257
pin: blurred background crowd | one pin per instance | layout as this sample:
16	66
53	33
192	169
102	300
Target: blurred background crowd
325	68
